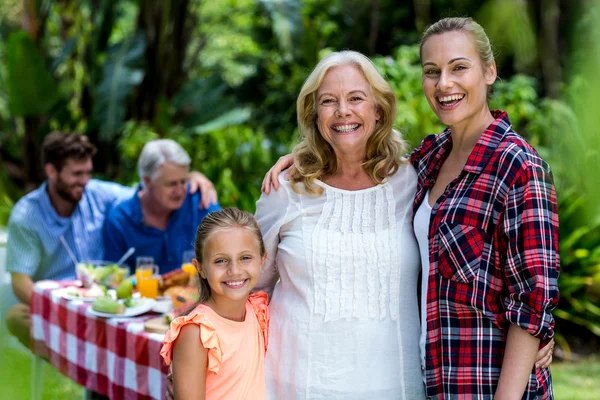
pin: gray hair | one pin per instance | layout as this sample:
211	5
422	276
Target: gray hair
156	153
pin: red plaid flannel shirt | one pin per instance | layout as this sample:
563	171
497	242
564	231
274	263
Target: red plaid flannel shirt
494	261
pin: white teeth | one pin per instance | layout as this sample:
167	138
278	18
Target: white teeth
345	128
235	283
451	98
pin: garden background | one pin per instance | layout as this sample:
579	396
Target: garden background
221	78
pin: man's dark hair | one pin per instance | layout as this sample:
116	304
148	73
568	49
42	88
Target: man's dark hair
59	146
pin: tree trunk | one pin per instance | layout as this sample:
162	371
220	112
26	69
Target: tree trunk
33	23
549	48
32	168
422	14
374	27
167	32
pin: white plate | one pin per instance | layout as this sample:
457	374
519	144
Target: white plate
144	306
162	306
47	285
66	293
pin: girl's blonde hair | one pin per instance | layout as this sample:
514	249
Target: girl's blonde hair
216	221
314	157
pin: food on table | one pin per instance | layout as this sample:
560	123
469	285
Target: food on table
130	302
108	306
173	278
110	275
93	291
170	316
182	296
125	289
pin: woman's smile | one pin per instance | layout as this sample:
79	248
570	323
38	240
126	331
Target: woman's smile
345	128
450	101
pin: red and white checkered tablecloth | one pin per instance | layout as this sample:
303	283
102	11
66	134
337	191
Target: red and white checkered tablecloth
113	356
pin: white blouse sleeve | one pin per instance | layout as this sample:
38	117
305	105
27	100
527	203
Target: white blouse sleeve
272	212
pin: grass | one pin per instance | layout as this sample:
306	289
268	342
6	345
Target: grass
572	381
15	378
575	381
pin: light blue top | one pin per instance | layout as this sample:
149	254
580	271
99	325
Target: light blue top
34	230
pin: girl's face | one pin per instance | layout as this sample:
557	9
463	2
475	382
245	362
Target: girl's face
455	81
232	263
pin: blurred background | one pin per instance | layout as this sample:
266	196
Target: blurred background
221	77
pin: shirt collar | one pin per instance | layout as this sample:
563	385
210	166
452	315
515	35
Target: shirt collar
50	211
484	148
488	142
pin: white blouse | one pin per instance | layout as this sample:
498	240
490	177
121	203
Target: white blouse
344	316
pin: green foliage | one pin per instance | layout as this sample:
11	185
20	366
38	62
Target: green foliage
403	72
510	28
30	87
121	73
223	40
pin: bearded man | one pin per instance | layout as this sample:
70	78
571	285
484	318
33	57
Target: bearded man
69	206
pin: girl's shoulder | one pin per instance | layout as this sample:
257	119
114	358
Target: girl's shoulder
208	336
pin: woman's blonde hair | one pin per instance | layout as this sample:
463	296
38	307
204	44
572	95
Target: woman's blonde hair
314	157
462	24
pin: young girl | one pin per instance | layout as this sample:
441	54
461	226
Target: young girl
217	350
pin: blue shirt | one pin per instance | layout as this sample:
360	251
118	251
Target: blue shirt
125	228
34	230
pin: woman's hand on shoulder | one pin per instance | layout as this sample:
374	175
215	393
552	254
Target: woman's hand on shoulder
543	358
199	182
284	162
190	364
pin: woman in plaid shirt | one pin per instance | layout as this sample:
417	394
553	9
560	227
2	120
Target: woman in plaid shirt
487	225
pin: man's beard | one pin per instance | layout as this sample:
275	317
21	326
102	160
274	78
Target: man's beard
62	189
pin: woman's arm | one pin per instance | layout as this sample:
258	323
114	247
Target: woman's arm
271	176
530	275
199	182
190	365
272	212
519	356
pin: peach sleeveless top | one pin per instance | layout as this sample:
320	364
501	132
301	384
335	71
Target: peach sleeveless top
236	350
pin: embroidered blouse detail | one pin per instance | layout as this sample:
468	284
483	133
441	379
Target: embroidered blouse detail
343	267
353	274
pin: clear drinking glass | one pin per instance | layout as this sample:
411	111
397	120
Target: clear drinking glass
145	267
186	262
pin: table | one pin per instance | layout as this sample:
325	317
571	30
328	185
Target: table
112	356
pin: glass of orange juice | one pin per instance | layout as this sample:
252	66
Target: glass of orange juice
144	266
147	285
186	262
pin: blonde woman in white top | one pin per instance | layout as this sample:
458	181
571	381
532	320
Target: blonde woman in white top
343	261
